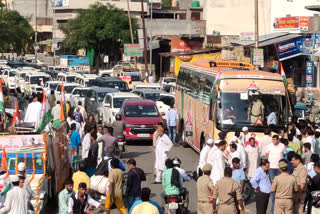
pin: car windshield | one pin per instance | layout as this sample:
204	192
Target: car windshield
68	89
101	96
141	111
83	93
256	104
135	78
38	80
117	101
168	100
22	75
71	79
12	74
169	80
121	86
53	86
152	96
38	163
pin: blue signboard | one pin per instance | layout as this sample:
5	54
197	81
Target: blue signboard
316	40
309	66
290	48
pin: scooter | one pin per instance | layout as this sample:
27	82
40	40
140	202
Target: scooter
120	146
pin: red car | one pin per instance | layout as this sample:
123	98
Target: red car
140	118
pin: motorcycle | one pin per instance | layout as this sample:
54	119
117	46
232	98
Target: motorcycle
120	146
178	204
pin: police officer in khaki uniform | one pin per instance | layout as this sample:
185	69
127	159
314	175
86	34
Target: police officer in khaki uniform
228	192
284	185
205	191
255	110
300	173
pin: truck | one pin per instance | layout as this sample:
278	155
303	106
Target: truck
45	156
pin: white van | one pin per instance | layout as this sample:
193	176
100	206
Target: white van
34	82
148	86
67	77
86	80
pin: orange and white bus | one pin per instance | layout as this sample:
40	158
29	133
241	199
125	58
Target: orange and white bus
214	96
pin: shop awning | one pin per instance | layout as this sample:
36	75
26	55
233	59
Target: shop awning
269	39
193	52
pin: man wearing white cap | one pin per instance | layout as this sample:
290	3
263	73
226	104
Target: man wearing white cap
16	200
204	156
26	186
245	136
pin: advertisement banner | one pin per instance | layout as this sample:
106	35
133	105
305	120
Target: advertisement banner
289	49
258	57
309	68
246	36
132	50
22	143
307	46
292	22
316	40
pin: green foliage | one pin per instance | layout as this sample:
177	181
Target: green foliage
16	33
104	28
166	3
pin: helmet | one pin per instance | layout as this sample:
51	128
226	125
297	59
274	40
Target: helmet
176	161
118	116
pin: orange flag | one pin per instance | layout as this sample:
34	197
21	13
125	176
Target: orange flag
4	160
16	116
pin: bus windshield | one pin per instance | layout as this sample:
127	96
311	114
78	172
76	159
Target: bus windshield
256	107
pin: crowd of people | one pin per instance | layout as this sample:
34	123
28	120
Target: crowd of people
280	166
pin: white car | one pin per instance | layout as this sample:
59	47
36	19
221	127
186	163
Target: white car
68	87
21	75
51	86
34	82
156	86
167	81
67	77
8	77
111	105
86	80
78	94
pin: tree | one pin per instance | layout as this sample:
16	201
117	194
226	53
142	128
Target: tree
104	28
16	33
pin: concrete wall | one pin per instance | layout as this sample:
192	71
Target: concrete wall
230	17
172	27
27	8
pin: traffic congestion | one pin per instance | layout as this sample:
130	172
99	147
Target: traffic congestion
66	136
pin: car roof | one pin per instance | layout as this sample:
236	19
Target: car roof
38	74
109	79
53	82
70	84
124	94
149	91
104	89
148	84
138	101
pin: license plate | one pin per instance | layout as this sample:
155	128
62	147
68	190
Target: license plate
173	206
143	135
120	148
120	143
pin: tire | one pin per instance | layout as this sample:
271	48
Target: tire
181	135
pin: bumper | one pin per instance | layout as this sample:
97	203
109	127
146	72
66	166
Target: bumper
138	136
137	133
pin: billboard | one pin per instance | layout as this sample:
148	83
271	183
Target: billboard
132	50
61	3
291	22
246	36
290	48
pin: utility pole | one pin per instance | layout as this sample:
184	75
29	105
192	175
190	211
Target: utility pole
36	33
256	23
54	43
131	33
150	48
144	40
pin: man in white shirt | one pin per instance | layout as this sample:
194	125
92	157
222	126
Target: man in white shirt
217	162
310	138
33	112
204	156
78	126
56	110
245	136
274	153
26	186
264	142
233	154
17	199
86	142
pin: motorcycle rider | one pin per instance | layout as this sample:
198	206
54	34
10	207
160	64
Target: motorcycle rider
184	177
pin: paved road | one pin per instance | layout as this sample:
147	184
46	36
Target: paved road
143	154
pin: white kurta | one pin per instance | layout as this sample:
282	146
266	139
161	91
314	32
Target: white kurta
263	145
217	162
86	142
164	144
252	161
204	156
232	155
33	113
16	202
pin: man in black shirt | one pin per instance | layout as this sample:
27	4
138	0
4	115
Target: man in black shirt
92	158
315	181
135	176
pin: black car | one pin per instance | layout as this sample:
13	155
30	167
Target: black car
112	82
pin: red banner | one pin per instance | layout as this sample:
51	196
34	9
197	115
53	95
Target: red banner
292	22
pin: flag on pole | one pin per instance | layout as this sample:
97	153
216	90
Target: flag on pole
4	160
1	99
282	71
46	115
16	115
62	103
